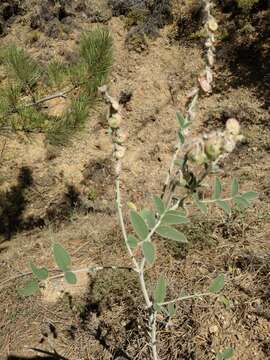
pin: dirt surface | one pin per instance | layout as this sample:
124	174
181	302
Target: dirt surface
67	194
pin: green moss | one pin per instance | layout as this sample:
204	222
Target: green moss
247	4
198	34
92	194
136	41
135	17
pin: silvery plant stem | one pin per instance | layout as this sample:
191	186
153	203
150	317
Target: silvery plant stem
140	271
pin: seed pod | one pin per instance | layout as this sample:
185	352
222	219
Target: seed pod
212	24
197	156
115	104
209	74
229	144
205	85
120	153
213	147
233	126
210	57
120	137
115	121
208	43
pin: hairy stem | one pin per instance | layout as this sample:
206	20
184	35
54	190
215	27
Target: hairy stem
153	327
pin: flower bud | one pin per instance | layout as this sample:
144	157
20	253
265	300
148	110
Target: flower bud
115	121
233	126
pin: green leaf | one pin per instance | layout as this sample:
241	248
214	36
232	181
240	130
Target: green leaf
241	203
30	288
172	219
225	301
172	234
217	284
179	163
171	309
61	257
181	120
250	195
70	277
40	273
132	241
225	354
149	251
139	225
181	137
177	212
149	218
160	290
201	206
224	206
159	204
234	187
217	189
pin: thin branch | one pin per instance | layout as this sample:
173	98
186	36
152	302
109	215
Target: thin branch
61	94
215	200
182	298
90	269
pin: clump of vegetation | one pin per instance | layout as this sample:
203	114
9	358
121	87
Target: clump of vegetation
247	4
24	101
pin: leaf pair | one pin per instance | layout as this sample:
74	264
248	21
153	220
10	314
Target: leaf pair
32	286
145	221
183	124
242	201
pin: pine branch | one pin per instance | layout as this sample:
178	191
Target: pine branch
23	68
20	114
